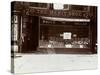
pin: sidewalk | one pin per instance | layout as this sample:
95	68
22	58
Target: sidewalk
29	63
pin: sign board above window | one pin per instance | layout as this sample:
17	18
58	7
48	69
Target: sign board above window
58	6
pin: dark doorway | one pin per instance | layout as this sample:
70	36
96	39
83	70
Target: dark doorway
30	30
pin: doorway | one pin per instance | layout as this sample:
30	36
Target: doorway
30	34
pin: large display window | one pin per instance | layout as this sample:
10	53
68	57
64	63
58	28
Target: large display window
64	34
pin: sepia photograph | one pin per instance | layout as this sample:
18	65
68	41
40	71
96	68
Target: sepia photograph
47	30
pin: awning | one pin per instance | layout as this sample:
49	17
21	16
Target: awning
65	19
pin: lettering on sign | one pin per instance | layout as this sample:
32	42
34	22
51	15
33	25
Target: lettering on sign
58	13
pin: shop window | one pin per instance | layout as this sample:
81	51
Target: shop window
58	34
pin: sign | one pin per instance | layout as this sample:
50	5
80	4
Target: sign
57	6
67	35
57	13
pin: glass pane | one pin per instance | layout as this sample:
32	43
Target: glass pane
14	28
80	8
56	34
14	32
40	5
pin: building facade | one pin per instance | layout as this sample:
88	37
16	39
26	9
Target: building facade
52	28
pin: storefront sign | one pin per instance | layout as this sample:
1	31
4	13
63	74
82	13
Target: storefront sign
57	13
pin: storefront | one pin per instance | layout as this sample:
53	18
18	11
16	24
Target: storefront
44	28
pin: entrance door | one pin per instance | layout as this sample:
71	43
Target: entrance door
30	34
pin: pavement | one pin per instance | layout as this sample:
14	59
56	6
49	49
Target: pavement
30	63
